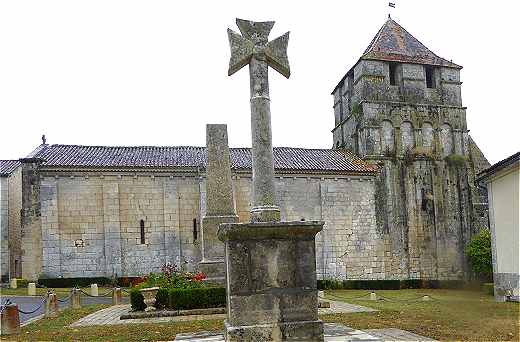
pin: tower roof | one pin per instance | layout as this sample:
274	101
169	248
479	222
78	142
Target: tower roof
393	43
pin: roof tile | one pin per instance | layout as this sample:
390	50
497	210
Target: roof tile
285	158
8	166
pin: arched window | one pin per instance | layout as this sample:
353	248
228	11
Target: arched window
195	229
143	240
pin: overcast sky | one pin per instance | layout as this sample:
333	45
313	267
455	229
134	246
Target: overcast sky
155	72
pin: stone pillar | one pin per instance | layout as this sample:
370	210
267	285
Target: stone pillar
220	206
75	300
31	289
10	320
51	306
264	208
94	290
116	296
271	281
13	283
112	230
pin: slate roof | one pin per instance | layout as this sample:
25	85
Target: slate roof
8	166
393	43
285	158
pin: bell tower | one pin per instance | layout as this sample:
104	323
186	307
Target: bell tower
400	107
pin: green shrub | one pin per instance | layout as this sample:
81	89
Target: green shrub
479	254
329	284
161	298
371	284
488	288
197	298
137	300
72	282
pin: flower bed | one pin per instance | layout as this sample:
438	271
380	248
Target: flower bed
178	291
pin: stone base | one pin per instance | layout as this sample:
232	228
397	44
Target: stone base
293	331
271	281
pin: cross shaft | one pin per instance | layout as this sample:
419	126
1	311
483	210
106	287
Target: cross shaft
254	49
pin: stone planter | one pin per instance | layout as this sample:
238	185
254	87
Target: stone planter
149	297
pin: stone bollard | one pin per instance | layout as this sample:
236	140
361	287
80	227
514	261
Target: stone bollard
10	320
373	296
94	290
51	305
426	298
116	296
75	299
31	289
13	283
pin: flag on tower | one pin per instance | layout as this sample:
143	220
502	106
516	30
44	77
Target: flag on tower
391	4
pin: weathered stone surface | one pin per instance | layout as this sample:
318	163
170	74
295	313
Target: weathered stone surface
263	54
10	320
271	280
219	189
220	206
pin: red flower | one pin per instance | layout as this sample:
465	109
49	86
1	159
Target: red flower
199	276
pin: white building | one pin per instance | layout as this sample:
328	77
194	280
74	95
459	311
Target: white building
503	183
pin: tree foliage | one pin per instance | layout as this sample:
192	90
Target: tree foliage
479	253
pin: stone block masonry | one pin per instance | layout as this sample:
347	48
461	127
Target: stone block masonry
90	223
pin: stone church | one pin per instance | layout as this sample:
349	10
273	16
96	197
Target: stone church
396	191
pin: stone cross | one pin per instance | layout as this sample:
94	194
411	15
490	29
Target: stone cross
253	48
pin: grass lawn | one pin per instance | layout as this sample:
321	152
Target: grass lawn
61	292
55	329
452	315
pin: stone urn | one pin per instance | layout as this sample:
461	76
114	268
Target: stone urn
149	297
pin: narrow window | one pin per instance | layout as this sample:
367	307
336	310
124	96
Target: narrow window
194	229
430	81
392	68
141	223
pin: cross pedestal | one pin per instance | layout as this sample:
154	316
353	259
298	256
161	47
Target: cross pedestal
271	281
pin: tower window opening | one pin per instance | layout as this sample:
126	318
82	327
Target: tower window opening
141	224
430	80
195	235
392	67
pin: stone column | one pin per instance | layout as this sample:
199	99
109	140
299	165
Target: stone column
112	230
116	296
220	206
51	306
264	208
75	299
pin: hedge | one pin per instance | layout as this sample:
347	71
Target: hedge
71	282
332	284
182	299
137	300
